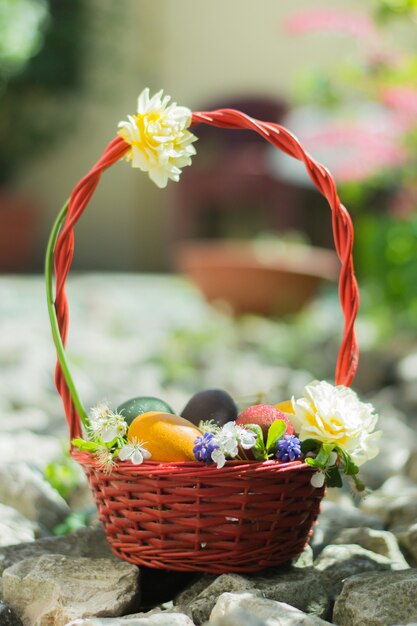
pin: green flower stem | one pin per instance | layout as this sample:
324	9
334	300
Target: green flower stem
53	319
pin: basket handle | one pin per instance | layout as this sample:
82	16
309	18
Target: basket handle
61	249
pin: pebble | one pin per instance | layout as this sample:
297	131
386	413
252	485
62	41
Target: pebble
378	599
15	528
24	488
335	563
86	542
334	518
54	589
379	541
8	617
248	609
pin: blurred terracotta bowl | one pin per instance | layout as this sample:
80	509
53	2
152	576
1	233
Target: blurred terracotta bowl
257	277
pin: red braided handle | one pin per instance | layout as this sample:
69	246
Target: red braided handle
279	137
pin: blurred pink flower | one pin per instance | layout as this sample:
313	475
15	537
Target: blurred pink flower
358	152
348	22
402	99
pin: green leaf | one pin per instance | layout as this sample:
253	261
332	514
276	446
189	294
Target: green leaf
275	432
333	478
350	468
258	450
324	454
90	446
312	462
308	445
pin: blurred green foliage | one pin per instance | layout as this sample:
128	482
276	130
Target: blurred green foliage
384	206
63	475
386	9
41	50
73	522
386	254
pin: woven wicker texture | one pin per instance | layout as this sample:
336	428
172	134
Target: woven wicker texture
243	518
185	516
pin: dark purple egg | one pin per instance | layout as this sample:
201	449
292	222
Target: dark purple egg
210	404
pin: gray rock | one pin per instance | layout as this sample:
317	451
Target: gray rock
339	562
300	588
26	419
391	459
381	501
407	368
8	617
247	609
25	489
380	541
55	589
26	447
14	527
163	618
334	518
410	469
378	599
407	538
198	600
87	542
402	512
305	559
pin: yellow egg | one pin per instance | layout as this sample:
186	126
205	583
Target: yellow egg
168	437
285	407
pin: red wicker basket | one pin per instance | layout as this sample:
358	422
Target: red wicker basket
187	516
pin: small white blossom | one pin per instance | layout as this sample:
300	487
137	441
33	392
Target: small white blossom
231	436
227	439
218	457
247	438
135	451
335	415
106	425
160	142
318	478
104	458
208	426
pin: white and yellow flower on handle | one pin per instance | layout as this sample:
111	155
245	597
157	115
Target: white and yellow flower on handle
334	418
160	143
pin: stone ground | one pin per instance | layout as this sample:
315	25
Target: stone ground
155	336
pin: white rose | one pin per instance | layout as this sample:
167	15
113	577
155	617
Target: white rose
336	415
160	142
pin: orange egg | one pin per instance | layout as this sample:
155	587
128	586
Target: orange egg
168	437
285	407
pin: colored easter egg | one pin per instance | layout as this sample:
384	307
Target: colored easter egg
285	407
142	404
210	404
264	415
168	437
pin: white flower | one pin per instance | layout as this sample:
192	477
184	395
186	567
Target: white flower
317	479
160	143
218	457
229	438
135	451
335	415
104	458
106	425
247	438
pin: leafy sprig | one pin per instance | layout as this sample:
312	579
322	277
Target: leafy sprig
263	451
332	459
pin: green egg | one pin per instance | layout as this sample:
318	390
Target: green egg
136	406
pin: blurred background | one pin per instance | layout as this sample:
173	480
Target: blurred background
244	222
